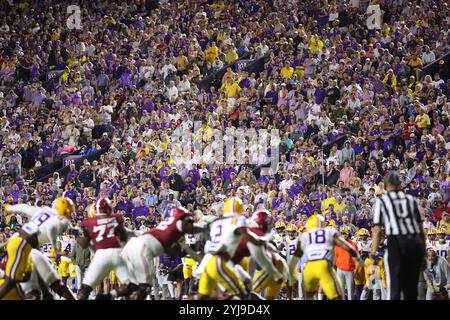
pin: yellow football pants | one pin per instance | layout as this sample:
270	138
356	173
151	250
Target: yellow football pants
17	265
320	273
188	267
19	259
15	293
216	272
263	280
66	269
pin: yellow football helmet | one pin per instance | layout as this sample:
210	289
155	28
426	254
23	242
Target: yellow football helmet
291	230
280	225
233	205
363	232
345	229
313	222
63	206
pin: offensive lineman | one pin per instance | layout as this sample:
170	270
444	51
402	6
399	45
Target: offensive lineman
226	233
106	231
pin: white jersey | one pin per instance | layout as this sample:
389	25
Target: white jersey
279	240
442	249
46	249
222	234
290	247
44	221
430	244
363	246
318	244
67	244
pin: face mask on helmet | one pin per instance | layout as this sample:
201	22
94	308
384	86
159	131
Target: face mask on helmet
292	234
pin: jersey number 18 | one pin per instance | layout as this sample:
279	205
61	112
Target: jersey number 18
318	238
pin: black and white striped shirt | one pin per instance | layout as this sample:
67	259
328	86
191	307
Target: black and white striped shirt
398	213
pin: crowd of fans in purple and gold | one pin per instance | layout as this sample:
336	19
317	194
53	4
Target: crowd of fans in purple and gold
129	80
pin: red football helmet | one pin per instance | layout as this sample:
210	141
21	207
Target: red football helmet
263	218
104	206
178	210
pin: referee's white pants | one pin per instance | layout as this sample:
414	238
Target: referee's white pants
347	280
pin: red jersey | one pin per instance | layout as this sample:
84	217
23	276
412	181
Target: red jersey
169	230
242	249
409	128
104	231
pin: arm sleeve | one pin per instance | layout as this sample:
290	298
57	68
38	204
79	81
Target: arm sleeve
25	209
53	235
417	211
377	215
262	258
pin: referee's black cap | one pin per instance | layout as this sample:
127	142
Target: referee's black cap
392	178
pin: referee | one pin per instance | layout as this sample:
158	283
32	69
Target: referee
399	214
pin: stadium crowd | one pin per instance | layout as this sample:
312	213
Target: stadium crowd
350	104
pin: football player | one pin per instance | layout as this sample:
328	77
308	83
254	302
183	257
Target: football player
442	246
431	238
64	249
140	251
363	240
375	276
189	262
280	236
317	243
291	242
106	231
45	225
273	271
226	233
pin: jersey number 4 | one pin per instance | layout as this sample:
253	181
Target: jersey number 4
101	230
